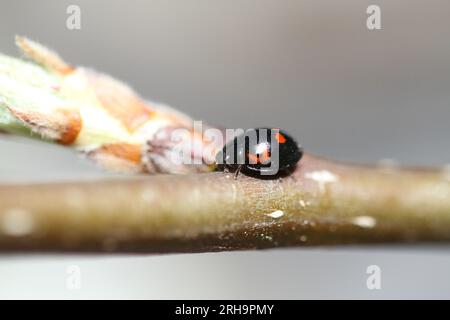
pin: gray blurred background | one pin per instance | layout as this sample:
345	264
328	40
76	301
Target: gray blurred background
310	67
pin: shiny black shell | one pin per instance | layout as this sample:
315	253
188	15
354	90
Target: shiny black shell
271	154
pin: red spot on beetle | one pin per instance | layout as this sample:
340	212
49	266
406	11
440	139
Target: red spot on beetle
261	158
280	138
